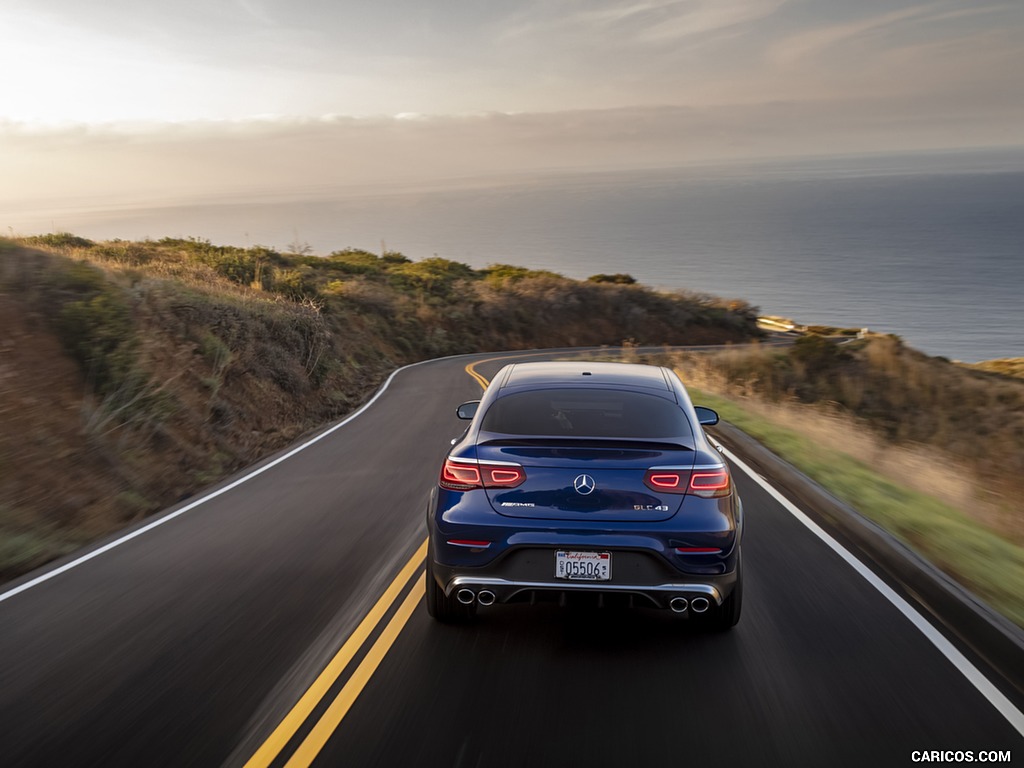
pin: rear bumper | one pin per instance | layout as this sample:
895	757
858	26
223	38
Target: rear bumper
512	584
690	556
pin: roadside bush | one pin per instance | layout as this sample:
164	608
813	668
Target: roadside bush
61	240
354	261
434	275
125	253
619	278
295	284
72	278
98	332
497	274
817	353
244	266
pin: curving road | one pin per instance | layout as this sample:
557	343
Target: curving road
280	622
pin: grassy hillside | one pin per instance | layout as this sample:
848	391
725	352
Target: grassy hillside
1009	366
929	508
971	421
135	373
932	450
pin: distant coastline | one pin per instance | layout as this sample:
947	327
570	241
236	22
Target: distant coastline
883	242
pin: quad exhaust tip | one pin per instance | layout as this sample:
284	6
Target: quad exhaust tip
699	604
678	604
486	597
465	596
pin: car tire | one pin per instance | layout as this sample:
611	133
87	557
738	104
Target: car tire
442	607
727	615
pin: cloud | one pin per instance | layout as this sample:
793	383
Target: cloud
701	19
797	48
644	23
868	36
282	157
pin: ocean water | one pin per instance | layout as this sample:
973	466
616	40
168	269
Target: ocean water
930	247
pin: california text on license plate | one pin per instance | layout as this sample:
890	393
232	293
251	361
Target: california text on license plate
583	566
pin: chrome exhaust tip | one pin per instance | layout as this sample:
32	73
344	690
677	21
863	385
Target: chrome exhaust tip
486	597
678	604
465	596
700	604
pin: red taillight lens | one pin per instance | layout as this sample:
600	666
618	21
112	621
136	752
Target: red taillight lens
710	485
667	480
459	476
671	480
503	476
707	483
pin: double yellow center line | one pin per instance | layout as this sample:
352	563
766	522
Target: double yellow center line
331	718
481	380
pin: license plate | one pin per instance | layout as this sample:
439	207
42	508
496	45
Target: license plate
583	566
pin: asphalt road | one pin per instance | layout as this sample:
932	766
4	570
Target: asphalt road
192	642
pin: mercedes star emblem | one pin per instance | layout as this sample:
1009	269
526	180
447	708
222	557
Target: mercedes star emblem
584	485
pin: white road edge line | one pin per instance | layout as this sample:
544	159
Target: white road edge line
974	676
178	512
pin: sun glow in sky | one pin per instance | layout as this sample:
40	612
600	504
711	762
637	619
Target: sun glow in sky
197	96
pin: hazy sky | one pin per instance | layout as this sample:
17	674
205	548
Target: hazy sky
130	98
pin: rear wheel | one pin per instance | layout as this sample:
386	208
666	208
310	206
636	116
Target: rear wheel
727	615
445	608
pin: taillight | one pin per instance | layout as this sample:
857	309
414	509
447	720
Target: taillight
710	484
667	480
460	477
467	474
707	483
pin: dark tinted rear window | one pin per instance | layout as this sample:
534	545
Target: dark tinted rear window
586	413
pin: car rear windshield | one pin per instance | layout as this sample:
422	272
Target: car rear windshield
586	413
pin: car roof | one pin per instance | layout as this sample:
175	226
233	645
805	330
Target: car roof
587	374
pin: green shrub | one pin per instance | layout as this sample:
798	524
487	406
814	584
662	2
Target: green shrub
433	277
500	273
295	284
127	253
354	261
394	257
818	354
619	278
60	240
76	277
99	334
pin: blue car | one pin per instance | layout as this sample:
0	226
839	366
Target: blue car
580	481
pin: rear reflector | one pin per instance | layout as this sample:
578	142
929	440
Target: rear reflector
698	550
469	543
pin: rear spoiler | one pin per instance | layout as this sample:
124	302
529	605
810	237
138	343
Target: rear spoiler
608	443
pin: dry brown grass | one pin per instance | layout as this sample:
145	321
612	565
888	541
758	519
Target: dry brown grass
1009	366
952	433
